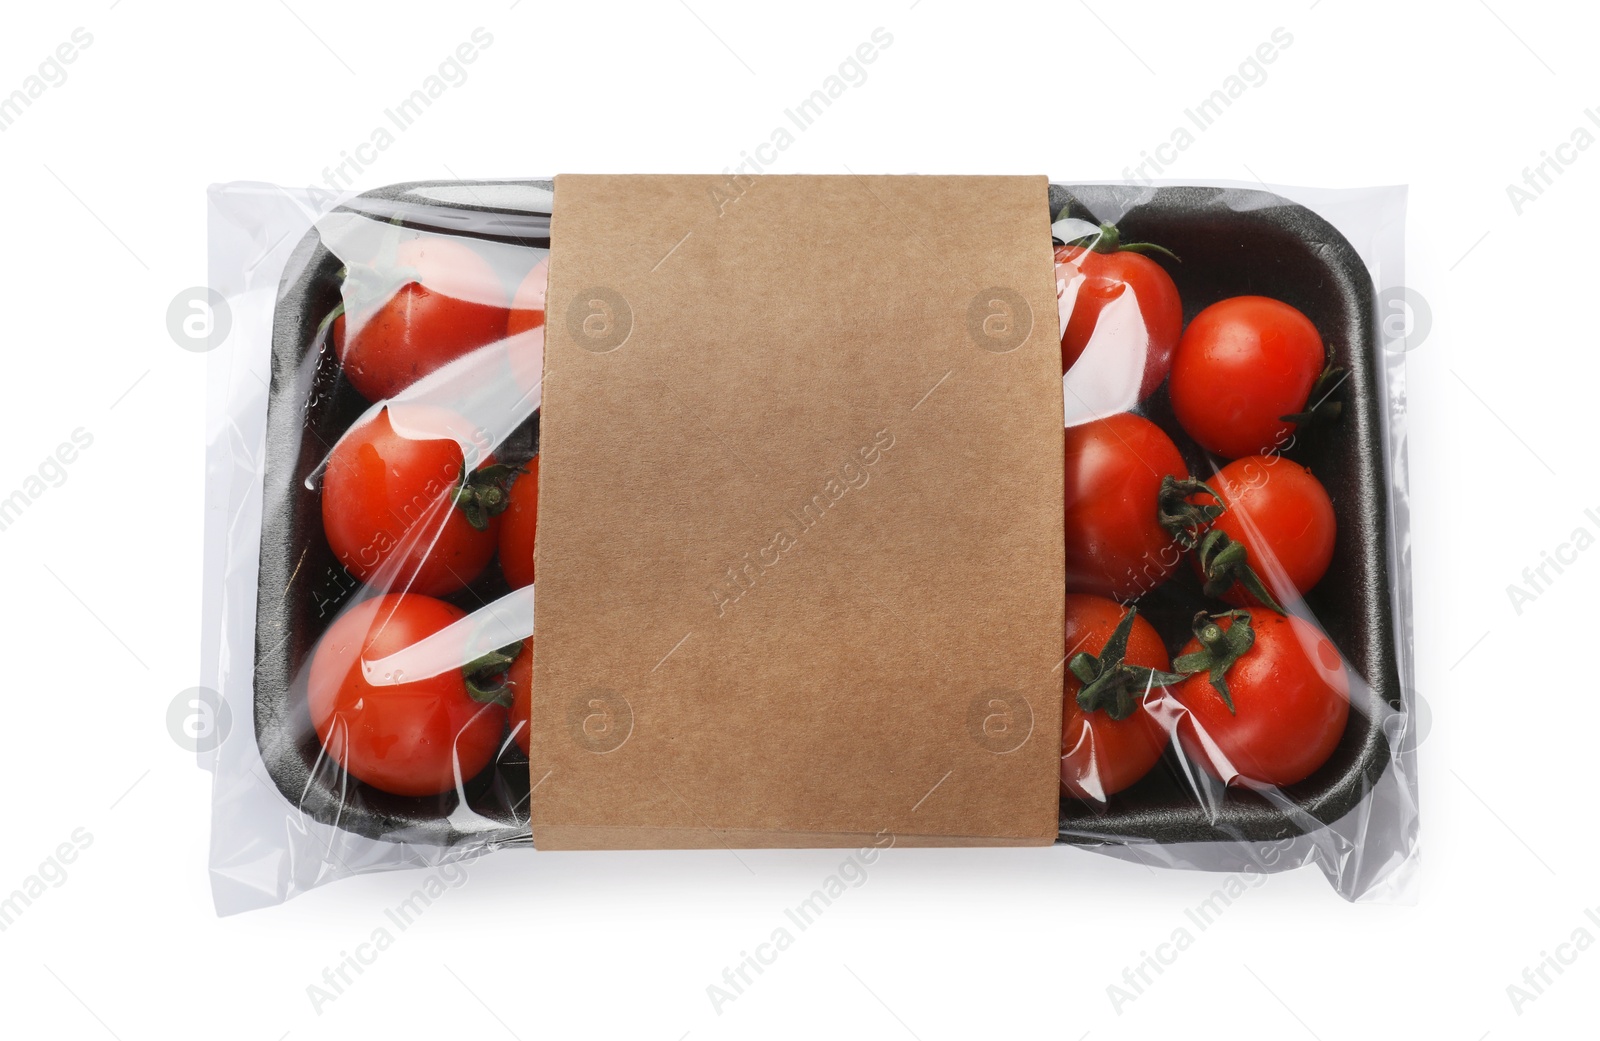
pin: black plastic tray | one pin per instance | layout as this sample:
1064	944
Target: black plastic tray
1232	241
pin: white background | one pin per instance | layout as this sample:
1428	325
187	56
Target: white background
105	177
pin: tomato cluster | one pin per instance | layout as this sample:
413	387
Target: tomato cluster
416	506
1257	697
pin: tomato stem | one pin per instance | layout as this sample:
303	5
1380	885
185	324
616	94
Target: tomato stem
1219	649
1224	562
1184	519
1109	683
1320	410
486	676
486	492
1109	240
328	320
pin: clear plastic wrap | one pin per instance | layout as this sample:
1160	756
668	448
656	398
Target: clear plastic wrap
373	413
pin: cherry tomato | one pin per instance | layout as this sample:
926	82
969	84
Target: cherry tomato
1280	518
527	306
525	330
1114	741
1261	712
416	737
398	509
1116	546
1105	273
440	301
520	680
518	527
1241	367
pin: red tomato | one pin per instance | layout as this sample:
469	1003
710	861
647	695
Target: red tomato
518	527
1113	741
1116	546
418	737
1106	273
1277	528
397	510
439	302
1265	713
520	680
525	329
527	306
1242	367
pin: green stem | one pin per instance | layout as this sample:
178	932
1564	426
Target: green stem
1220	648
1110	684
1320	409
486	492
1224	562
486	676
1108	239
1185	521
328	320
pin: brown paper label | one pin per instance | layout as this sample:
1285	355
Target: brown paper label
800	551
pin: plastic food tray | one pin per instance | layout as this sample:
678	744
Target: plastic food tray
1231	242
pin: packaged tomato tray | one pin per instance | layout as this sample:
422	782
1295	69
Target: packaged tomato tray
1236	558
